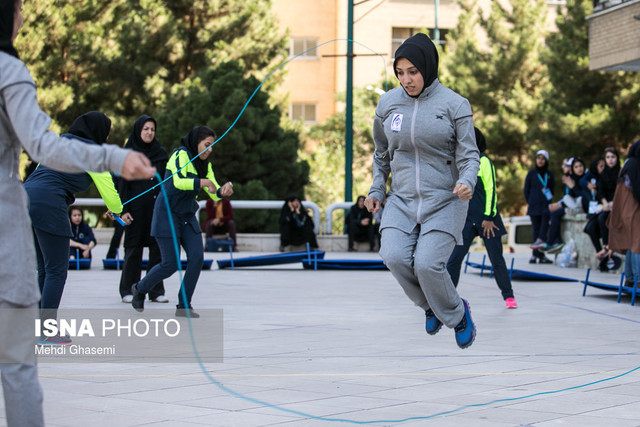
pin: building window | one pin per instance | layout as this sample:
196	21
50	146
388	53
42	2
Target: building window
399	35
303	112
301	47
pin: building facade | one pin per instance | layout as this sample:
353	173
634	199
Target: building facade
614	35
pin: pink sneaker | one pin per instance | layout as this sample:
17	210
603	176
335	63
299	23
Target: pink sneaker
511	303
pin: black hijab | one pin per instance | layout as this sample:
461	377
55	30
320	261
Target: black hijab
7	10
481	142
609	177
152	150
631	168
593	168
93	125
422	53
191	141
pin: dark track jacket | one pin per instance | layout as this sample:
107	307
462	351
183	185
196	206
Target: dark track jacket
538	203
182	190
484	203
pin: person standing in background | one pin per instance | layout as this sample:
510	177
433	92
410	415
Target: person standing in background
624	221
138	234
538	192
484	220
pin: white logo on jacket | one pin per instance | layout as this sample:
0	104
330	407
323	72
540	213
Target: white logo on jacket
396	122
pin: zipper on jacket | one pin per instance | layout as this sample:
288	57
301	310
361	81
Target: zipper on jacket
415	147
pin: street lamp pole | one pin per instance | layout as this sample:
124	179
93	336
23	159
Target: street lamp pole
348	137
436	30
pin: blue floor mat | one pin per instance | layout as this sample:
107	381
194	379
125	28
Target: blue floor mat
517	274
272	259
116	264
344	264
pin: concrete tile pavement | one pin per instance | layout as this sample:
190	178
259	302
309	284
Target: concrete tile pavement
349	345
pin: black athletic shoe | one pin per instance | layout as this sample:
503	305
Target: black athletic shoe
138	299
533	260
182	312
545	260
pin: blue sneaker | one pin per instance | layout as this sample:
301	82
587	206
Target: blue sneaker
433	324
466	329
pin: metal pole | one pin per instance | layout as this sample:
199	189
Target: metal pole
436	30
348	134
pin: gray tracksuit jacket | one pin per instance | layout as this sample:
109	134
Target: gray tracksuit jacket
428	145
23	124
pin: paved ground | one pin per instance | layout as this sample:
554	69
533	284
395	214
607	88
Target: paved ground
350	346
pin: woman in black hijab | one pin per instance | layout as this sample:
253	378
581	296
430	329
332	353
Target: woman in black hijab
50	194
630	172
190	171
424	138
138	233
596	200
10	23
539	186
296	227
624	221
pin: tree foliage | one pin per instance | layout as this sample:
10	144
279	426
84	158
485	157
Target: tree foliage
504	79
186	63
327	156
121	56
585	111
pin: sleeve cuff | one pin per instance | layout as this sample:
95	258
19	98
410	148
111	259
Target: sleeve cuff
377	194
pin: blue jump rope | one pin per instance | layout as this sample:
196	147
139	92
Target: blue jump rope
277	407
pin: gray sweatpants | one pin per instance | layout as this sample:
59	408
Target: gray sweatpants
20	385
418	262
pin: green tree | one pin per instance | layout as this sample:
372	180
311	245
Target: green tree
504	80
120	56
327	156
585	111
128	57
257	154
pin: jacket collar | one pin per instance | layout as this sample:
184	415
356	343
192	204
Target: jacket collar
429	89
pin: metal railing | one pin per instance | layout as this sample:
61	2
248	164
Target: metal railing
236	204
328	215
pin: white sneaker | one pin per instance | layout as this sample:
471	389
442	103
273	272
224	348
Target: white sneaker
161	298
127	299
